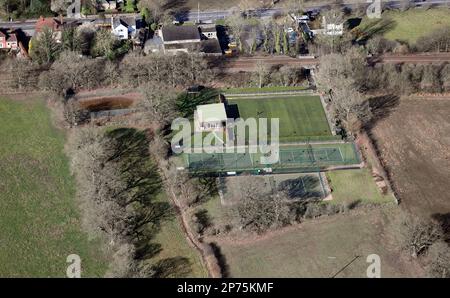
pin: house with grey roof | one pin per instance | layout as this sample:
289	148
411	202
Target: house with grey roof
123	27
184	38
179	38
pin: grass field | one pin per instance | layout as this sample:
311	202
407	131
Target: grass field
299	116
321	248
414	23
355	185
39	221
174	244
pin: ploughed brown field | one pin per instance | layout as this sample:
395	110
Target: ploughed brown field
414	144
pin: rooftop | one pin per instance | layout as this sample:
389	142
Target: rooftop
125	21
211	112
210	46
12	38
180	33
50	23
208	28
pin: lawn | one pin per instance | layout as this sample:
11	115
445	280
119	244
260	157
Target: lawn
355	185
321	248
299	116
39	220
414	23
174	245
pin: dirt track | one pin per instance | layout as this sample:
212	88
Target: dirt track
414	142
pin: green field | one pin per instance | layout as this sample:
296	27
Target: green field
39	220
174	245
414	23
355	185
299	116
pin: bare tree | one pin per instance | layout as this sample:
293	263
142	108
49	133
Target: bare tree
336	67
236	23
445	77
111	73
417	235
259	211
262	71
59	6
439	255
104	44
159	102
350	106
73	71
24	73
74	114
245	6
155	7
343	76
430	81
294	6
404	5
438	40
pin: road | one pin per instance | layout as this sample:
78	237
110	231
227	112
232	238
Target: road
211	15
214	15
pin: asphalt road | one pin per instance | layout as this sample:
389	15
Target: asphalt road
214	15
221	14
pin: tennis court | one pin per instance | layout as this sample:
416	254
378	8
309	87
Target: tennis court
299	186
291	158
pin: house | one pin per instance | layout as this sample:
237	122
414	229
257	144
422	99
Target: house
51	23
2	40
211	47
100	23
54	24
208	31
11	41
123	27
8	40
174	39
108	4
333	29
154	45
210	117
180	38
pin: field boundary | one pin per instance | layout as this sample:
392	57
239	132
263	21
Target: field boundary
269	93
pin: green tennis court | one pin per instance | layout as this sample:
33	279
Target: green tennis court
291	158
